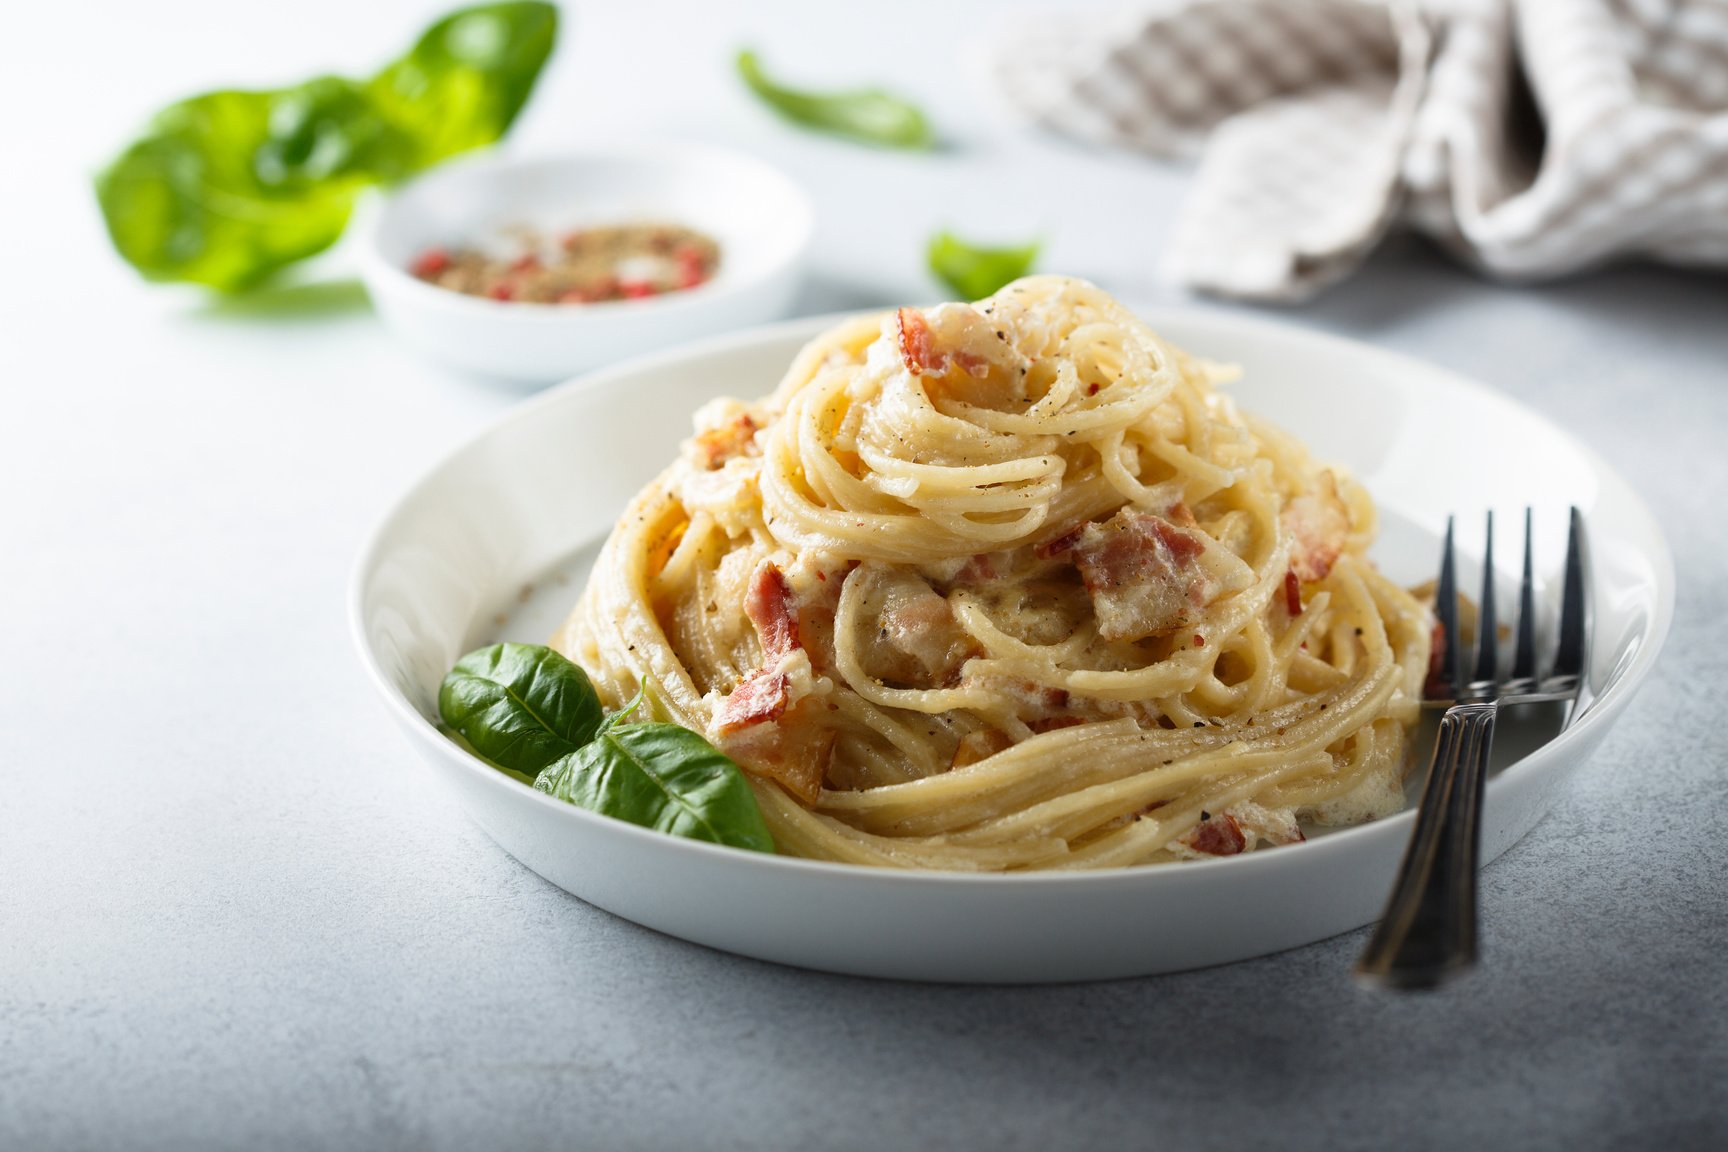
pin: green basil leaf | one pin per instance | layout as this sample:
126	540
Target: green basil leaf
975	272
227	188
870	114
455	738
663	777
521	706
462	85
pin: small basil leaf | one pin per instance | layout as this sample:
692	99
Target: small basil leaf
323	130
869	114
455	738
463	83
228	187
521	706
976	272
663	777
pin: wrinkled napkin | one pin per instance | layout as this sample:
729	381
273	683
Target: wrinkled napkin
1532	137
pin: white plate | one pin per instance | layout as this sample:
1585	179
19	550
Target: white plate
492	543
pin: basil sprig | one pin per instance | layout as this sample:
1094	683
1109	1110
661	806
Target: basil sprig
870	115
521	706
976	272
226	188
532	713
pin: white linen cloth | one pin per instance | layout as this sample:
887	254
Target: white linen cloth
1321	124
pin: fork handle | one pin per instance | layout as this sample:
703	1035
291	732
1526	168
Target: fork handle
1428	933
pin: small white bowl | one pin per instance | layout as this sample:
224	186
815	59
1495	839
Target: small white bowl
761	220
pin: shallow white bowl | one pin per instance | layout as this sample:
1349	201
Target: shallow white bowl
761	220
493	542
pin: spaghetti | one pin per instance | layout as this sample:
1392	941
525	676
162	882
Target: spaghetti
1013	585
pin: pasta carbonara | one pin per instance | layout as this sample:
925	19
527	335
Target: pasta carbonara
1013	585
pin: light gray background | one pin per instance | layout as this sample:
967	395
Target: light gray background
233	912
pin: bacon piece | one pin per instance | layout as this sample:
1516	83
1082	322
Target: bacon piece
914	639
761	698
921	355
1292	593
979	569
1183	545
1320	523
714	446
918	344
764	694
919	623
768	604
1218	835
1061	544
1143	574
792	753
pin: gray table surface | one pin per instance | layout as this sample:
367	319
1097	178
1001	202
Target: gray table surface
234	913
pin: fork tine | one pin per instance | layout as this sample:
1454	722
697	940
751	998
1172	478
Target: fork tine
1487	626
1524	655
1571	653
1446	607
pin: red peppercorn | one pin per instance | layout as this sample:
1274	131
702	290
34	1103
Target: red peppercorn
430	263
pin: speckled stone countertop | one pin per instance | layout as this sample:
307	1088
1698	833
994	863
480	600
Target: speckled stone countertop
235	913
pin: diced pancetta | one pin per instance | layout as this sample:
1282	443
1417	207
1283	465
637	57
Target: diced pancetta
761	698
768	604
1060	545
923	356
1179	513
724	429
1242	826
1319	525
981	569
791	752
919	623
1144	574
1216	835
758	723
953	336
916	640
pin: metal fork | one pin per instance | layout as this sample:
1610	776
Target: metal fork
1427	935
